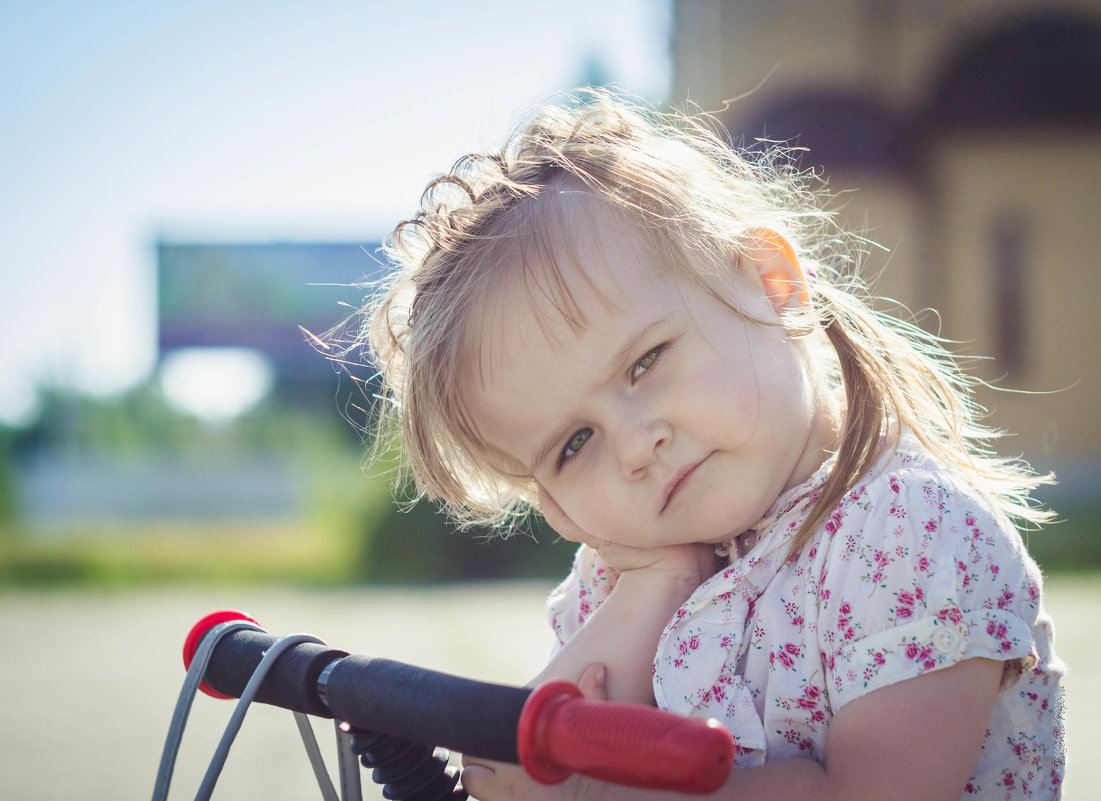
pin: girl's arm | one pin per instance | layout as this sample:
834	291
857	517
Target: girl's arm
916	740
622	634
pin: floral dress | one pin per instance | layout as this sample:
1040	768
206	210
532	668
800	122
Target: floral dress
913	571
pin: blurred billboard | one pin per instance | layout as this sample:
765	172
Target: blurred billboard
256	295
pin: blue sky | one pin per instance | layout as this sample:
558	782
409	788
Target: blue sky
127	121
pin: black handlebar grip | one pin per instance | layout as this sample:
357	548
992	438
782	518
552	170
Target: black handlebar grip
472	717
292	681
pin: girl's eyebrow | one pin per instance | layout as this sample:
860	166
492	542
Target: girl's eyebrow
617	364
628	352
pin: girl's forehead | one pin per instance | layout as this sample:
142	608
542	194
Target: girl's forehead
558	285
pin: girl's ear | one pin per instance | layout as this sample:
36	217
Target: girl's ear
779	270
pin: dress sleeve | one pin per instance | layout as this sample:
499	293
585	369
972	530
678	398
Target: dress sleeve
588	584
921	573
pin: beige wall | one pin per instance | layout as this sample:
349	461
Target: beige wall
940	227
1049	183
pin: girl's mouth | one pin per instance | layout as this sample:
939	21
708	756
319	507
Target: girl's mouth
679	481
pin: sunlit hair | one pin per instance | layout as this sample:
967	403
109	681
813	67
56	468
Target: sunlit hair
502	217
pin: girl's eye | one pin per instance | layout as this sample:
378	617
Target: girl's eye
576	443
646	362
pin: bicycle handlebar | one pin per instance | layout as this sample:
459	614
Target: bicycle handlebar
552	731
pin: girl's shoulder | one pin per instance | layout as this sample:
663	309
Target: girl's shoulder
907	473
910	498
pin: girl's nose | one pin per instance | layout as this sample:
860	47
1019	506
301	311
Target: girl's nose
639	438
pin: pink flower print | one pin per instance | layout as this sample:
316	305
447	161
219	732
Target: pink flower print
923	564
952	614
904	612
824	595
691	644
879	659
786	654
726	642
819	716
896	511
718	693
931	526
969	521
922	654
893	481
906	598
881	558
1006	599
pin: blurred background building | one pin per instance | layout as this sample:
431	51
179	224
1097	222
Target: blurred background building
972	134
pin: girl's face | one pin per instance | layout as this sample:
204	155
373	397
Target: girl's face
665	417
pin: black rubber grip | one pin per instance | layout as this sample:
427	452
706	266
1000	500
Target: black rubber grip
425	706
292	681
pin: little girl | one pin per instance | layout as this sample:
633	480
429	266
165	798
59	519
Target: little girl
788	518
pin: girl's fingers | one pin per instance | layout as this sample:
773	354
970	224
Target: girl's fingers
593	683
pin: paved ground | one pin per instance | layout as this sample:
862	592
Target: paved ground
88	681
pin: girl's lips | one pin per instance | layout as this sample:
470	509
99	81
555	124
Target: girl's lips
679	480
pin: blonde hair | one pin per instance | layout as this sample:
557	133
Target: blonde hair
699	202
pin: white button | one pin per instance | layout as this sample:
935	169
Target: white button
946	640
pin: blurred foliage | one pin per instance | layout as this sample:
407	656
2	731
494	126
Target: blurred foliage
1072	544
351	529
8	505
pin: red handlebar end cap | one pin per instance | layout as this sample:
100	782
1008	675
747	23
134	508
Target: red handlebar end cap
191	644
530	734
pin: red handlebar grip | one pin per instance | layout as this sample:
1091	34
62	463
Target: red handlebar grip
199	630
560	733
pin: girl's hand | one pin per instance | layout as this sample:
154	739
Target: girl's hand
691	563
496	781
